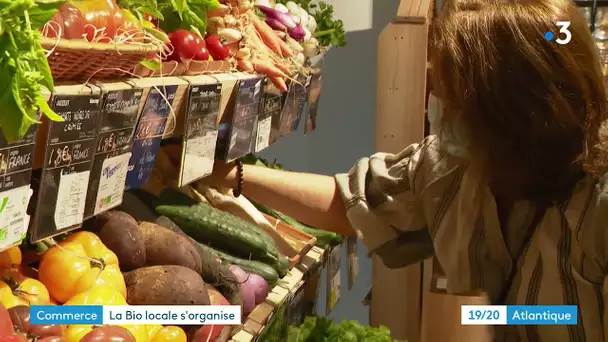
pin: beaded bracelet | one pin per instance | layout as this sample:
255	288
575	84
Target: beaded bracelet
239	178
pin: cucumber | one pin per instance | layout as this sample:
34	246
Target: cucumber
222	230
249	266
324	238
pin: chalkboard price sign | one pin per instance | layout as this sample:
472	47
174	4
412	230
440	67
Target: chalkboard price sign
113	150
148	135
237	131
15	172
67	165
272	104
200	129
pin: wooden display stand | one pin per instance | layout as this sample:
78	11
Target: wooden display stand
400	120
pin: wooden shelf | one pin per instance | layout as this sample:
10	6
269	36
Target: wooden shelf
279	295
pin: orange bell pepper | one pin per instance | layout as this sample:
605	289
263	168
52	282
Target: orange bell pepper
10	258
17	289
77	264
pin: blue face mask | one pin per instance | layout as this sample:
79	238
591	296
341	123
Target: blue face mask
451	140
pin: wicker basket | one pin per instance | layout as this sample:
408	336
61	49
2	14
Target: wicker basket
80	59
192	68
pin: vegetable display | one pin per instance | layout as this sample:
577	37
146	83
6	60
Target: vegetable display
325	330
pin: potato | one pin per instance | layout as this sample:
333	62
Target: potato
166	285
120	233
166	247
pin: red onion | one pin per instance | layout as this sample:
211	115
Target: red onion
285	19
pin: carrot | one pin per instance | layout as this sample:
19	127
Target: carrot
244	65
279	82
268	35
267	69
285	50
283	68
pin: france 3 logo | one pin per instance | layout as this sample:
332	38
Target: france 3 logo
564	35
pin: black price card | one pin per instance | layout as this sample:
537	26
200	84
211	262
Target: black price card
293	107
237	131
296	312
302	92
200	130
67	165
272	103
119	112
15	172
334	276
148	135
316	83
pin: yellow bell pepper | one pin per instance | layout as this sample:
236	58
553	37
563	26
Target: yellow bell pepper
77	264
17	289
170	334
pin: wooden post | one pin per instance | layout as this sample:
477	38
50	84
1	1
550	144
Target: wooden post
402	55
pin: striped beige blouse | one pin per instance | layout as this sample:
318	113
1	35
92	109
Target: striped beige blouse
409	206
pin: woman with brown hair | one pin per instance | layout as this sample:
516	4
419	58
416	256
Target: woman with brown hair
511	195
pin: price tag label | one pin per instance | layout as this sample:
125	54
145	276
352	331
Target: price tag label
334	276
237	132
201	132
316	83
270	117
15	173
148	135
290	108
67	165
119	112
111	185
352	261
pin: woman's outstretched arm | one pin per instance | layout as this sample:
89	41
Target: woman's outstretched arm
308	198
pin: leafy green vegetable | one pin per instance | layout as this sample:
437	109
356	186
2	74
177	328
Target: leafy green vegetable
186	14
330	32
322	329
141	7
25	72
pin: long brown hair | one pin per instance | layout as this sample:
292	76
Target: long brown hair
531	109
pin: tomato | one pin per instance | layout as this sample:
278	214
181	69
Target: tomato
20	316
217	49
72	21
10	257
52	29
170	334
6	325
51	339
103	334
98	295
16	289
79	263
187	45
202	55
101	19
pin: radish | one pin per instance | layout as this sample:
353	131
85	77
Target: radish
230	35
263	3
247	292
293	8
297	33
275	24
281	8
312	24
